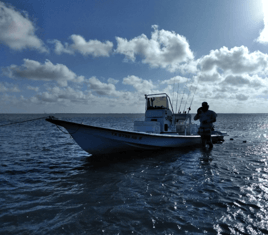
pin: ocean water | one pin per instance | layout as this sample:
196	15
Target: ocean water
48	185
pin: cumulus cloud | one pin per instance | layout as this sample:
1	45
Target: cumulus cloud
80	45
17	31
102	88
245	80
34	70
68	99
175	80
33	88
263	37
231	87
60	48
55	94
3	88
231	74
236	80
113	81
101	97
209	77
142	86
6	87
165	49
241	97
237	60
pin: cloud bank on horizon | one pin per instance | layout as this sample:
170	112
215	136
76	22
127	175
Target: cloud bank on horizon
78	73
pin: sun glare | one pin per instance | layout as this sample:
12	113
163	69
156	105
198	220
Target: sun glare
263	38
265	10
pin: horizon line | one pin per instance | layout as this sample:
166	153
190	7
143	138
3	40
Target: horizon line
105	113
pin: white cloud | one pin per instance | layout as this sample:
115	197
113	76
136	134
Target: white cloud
165	49
231	74
102	88
33	88
142	86
241	97
229	86
34	70
17	31
245	80
56	94
175	80
237	60
103	97
188	67
3	88
91	47
7	87
14	89
224	95
209	77
113	81
67	99
60	48
236	80
263	37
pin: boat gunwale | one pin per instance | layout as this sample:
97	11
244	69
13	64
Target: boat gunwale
57	122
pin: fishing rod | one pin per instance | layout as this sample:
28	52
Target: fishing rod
192	99
173	91
183	94
182	98
177	97
187	97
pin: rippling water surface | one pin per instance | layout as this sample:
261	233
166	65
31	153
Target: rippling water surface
48	185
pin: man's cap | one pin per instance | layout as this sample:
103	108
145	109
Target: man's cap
204	104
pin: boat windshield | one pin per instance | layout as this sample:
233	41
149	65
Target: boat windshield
157	102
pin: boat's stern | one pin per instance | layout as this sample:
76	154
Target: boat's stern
218	136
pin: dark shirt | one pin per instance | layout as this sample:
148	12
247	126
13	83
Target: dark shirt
206	118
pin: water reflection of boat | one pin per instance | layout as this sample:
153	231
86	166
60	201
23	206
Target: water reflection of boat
162	128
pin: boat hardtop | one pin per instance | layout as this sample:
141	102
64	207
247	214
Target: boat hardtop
160	117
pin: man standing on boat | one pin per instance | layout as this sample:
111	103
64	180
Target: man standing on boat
206	118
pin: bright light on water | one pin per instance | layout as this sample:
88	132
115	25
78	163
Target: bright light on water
48	185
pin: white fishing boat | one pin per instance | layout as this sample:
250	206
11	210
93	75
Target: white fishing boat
162	128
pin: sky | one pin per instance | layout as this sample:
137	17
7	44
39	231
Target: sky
102	56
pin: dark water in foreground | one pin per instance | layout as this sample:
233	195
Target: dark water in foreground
48	185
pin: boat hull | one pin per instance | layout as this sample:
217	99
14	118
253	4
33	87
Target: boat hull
99	140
